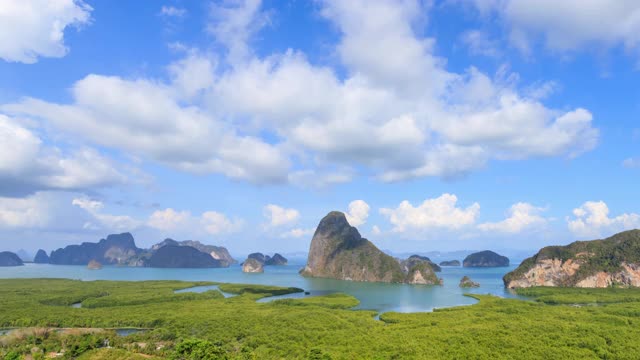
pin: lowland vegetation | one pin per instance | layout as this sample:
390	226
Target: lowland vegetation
556	323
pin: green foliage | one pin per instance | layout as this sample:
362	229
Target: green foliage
195	349
320	327
263	290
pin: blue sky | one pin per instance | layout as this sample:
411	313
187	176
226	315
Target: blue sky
435	125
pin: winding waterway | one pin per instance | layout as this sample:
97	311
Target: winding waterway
374	296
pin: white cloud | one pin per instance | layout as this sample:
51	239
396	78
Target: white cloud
30	212
358	212
168	219
592	220
146	118
108	222
479	43
279	216
41	212
192	74
521	216
631	163
233	26
35	28
216	223
172	11
438	213
175	222
570	24
396	113
375	230
297	233
31	166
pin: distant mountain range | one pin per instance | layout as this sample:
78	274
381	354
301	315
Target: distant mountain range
121	250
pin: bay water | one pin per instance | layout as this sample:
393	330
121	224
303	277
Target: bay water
374	296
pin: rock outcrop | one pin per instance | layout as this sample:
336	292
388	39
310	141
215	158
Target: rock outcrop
217	252
252	265
466	282
41	257
485	258
172	256
117	249
276	260
94	265
259	257
614	261
415	259
338	251
450	263
8	258
267	260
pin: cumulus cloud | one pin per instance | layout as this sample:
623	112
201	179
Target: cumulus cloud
479	43
104	221
521	216
396	113
279	216
297	233
358	212
32	166
146	119
592	220
209	222
30	29
42	211
568	25
168	219
216	223
438	213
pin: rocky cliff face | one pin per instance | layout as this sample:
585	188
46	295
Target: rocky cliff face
277	260
252	265
217	252
41	257
172	256
485	259
117	249
614	261
338	251
10	259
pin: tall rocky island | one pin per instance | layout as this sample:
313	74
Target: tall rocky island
614	261
339	252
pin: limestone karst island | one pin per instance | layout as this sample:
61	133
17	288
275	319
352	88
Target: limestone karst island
319	179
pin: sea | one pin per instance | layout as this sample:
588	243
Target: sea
380	297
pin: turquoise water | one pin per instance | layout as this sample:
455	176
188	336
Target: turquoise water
374	296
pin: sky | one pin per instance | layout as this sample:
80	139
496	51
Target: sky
434	125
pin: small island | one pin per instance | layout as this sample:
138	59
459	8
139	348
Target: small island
252	265
485	258
8	258
466	282
450	263
94	265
